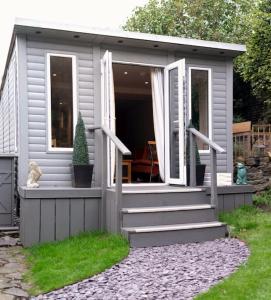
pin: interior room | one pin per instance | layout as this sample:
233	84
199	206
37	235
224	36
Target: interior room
134	122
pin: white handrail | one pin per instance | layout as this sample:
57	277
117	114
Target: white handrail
114	224
214	148
206	140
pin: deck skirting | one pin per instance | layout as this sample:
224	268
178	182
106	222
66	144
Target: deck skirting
234	196
55	213
50	214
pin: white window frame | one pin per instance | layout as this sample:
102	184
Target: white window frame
74	100
210	100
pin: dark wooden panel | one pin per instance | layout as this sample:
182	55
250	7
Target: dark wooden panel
62	219
91	214
248	199
5	219
6	190
239	200
6	195
228	203
77	216
220	199
47	222
30	221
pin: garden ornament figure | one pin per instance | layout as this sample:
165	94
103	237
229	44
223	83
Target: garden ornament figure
241	174
33	175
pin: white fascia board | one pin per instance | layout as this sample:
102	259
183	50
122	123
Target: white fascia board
130	35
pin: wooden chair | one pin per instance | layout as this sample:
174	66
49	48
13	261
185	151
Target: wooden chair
148	164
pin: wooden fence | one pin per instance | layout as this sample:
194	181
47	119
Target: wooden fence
251	140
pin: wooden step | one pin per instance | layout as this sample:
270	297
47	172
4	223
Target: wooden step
160	235
160	190
167	215
165	208
164	198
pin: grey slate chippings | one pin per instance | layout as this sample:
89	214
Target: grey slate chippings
178	271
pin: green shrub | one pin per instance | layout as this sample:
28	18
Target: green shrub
80	147
241	219
263	199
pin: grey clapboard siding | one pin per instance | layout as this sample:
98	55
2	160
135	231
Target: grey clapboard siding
219	107
8	109
55	166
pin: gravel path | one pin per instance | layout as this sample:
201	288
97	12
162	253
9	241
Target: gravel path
170	272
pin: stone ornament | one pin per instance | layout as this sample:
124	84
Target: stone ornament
241	174
33	175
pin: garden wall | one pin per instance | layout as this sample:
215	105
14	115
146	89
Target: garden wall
259	172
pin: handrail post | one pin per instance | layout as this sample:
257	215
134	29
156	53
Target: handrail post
118	189
192	159
214	180
104	181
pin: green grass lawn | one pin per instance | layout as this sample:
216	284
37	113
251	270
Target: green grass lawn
252	280
54	265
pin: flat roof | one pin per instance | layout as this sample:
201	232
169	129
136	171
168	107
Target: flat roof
103	35
121	38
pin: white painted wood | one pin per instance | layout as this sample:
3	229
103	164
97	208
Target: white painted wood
173	227
210	101
108	110
74	90
165	208
158	191
180	66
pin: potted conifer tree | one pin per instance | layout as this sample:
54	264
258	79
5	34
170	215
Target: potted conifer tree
200	168
81	168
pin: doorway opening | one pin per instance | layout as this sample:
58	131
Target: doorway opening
134	122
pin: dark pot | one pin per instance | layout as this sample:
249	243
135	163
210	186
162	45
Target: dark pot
82	176
257	161
200	172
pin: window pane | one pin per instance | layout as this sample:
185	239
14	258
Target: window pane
199	101
61	101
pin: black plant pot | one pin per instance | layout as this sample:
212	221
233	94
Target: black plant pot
82	176
200	172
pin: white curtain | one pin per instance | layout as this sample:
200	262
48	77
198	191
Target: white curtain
157	83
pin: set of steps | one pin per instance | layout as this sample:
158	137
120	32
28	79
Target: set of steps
168	215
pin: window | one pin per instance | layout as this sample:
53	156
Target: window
62	111
200	103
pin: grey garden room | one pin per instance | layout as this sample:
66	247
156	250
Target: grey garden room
157	112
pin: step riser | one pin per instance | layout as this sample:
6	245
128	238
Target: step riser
164	199
168	218
151	239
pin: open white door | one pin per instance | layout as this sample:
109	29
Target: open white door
108	110
175	123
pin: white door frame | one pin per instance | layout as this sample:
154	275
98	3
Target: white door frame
107	94
108	110
180	65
